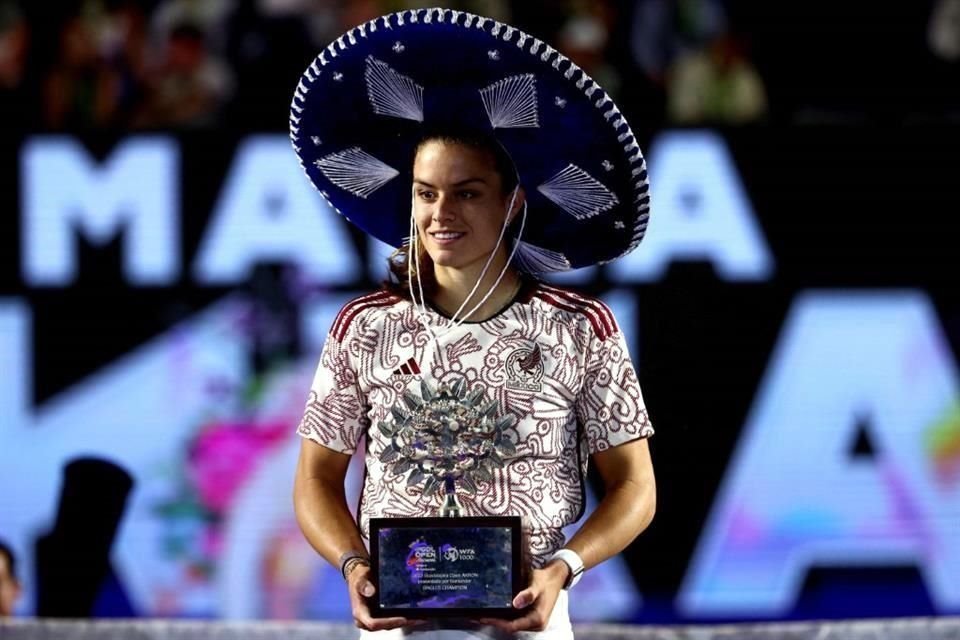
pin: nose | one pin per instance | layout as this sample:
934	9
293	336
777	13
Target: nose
444	209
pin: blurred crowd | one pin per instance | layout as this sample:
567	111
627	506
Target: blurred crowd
82	65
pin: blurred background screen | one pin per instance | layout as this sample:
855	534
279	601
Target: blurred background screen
168	276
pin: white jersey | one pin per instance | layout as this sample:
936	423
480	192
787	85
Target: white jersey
554	359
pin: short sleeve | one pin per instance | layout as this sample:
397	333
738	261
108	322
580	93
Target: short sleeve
610	405
335	413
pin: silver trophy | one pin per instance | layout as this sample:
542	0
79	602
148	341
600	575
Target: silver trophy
445	437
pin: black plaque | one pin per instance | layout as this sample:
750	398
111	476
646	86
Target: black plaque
468	567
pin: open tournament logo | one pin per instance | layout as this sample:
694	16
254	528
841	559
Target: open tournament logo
524	369
421	554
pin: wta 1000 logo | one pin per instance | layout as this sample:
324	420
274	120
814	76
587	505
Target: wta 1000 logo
450	553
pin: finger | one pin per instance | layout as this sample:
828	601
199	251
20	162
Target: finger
380	624
503	625
531	621
383	624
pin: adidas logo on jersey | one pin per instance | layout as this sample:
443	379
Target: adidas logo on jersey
409	368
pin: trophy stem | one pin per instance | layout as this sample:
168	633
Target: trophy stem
451	506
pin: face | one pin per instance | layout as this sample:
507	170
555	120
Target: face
459	204
9	588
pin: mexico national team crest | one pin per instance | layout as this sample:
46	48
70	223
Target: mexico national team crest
525	369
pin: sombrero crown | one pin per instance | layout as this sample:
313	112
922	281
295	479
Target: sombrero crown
369	98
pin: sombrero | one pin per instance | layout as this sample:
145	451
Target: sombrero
364	103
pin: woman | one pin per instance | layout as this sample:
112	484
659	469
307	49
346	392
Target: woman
458	309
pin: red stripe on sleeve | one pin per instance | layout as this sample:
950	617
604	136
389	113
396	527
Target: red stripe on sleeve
353	308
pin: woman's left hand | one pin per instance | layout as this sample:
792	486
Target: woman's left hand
538	599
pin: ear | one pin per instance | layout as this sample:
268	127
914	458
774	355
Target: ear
517	204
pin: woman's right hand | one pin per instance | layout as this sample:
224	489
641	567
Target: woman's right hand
361	589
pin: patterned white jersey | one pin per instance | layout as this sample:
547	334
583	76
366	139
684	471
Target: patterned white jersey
554	359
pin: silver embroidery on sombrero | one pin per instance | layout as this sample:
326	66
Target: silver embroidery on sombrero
356	171
512	102
392	93
577	193
534	259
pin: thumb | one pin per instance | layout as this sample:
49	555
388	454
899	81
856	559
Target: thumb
524	599
367	589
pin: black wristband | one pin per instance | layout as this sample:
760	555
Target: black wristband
349	558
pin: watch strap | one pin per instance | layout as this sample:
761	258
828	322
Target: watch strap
573	560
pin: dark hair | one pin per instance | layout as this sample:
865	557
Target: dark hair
5	550
483	142
402	268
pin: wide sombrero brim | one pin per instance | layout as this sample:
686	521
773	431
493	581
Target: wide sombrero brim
365	102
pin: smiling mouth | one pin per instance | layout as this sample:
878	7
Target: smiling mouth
447	235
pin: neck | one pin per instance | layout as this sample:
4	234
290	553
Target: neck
454	285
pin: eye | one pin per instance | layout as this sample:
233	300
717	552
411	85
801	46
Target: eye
426	195
468	195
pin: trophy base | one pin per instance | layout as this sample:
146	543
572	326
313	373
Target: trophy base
424	568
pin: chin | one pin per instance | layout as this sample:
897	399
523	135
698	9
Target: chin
447	259
455	258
